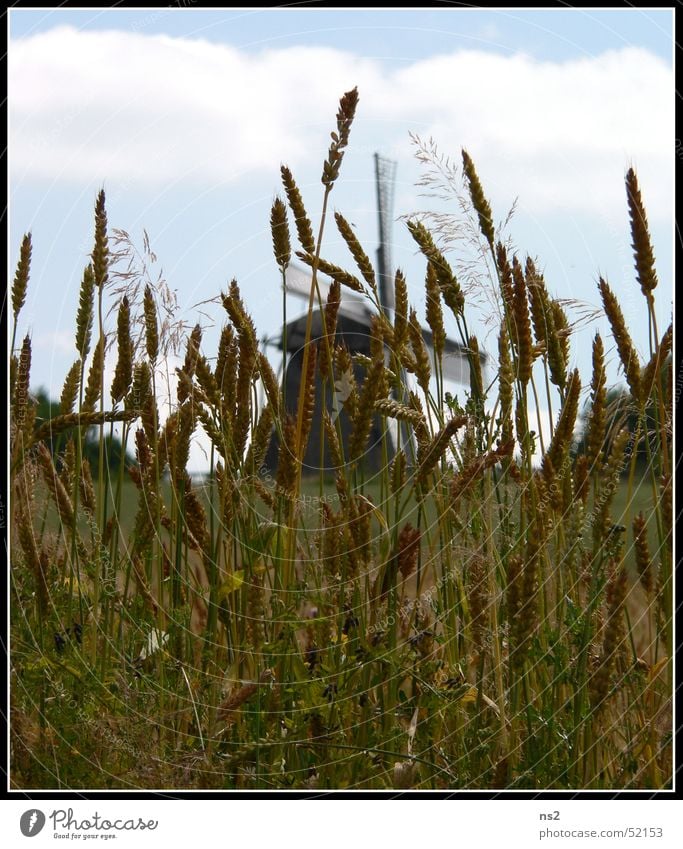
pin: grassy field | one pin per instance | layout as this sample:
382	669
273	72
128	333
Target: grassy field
487	617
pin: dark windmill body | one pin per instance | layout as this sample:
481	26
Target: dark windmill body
353	332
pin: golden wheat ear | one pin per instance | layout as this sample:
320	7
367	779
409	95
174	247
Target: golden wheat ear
20	285
296	204
643	253
642	550
597	421
151	326
613	637
123	374
84	316
435	312
479	202
505	384
625	346
361	258
522	324
93	387
21	399
100	253
448	282
340	138
280	232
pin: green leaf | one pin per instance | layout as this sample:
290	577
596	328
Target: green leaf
233	583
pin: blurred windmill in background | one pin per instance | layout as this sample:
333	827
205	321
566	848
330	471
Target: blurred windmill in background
353	332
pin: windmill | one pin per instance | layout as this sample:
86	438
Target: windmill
353	325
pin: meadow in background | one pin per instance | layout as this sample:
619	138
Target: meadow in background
492	609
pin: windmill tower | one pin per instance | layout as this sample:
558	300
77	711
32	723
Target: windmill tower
353	331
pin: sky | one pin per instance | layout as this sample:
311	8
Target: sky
184	116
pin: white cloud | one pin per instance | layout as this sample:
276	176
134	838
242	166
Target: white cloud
115	104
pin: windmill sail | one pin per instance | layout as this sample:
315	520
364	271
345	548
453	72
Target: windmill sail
455	364
298	282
